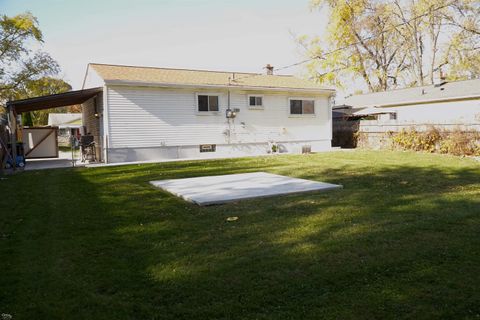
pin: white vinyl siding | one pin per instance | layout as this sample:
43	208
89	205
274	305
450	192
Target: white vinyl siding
449	113
154	117
274	123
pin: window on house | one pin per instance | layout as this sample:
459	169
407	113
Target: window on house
255	101
298	106
207	103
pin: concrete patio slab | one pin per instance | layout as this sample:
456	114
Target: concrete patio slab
40	164
227	188
64	160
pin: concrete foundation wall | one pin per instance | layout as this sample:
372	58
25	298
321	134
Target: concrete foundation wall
116	155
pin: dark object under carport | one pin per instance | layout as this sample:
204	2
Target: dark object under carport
87	146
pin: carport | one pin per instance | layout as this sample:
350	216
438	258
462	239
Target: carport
17	107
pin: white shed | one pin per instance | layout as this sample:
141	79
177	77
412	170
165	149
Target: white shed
148	113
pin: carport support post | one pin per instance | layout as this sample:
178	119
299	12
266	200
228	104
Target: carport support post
12	123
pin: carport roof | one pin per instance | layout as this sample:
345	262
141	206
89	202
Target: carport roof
53	101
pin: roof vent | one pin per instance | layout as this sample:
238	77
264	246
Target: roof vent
269	68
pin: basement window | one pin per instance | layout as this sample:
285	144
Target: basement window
208	147
302	106
207	103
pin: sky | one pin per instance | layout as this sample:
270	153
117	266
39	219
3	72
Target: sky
227	35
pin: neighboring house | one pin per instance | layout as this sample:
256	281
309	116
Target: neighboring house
445	103
146	113
68	124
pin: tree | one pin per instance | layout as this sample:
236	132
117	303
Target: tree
395	43
27	119
441	33
41	87
19	64
463	52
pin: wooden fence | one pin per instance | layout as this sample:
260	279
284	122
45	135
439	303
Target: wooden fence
3	146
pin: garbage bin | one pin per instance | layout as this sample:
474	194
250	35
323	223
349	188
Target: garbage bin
20	160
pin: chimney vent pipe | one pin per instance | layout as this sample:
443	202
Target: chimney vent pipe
269	68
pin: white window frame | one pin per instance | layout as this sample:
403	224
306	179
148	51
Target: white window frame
207	113
303	115
256	107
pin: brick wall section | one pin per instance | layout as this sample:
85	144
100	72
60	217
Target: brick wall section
92	123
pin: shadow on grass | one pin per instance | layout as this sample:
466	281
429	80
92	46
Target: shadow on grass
397	242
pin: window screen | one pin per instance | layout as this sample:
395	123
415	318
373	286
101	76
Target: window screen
212	103
308	107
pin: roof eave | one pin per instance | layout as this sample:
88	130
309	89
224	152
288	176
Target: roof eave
328	91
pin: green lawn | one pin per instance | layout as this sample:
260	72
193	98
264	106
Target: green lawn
400	241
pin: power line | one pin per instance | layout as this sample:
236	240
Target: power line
353	43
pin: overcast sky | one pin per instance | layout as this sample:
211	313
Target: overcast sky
230	35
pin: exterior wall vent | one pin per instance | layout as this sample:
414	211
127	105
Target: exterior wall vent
208	147
306	149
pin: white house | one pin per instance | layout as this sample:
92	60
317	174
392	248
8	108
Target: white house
146	113
444	103
68	124
448	106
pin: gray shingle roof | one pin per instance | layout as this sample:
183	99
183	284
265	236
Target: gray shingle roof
447	91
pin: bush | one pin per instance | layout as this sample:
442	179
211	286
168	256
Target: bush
457	142
418	141
461	143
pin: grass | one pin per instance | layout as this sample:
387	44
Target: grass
65	149
400	241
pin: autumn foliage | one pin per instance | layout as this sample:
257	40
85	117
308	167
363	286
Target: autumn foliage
455	142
